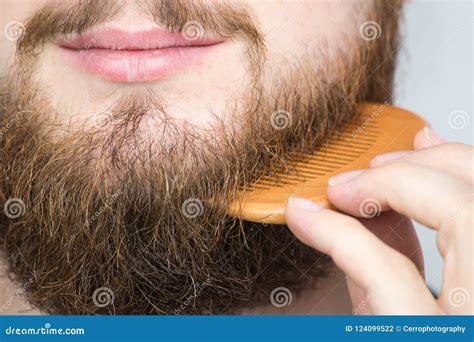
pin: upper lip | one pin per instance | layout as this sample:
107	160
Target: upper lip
135	56
117	39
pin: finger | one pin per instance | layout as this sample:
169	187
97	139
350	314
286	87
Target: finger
391	281
455	159
429	196
359	298
427	138
397	232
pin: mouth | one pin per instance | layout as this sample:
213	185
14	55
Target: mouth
131	57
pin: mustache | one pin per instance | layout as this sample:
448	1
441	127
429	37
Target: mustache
216	17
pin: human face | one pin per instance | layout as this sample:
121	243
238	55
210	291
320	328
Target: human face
124	148
84	78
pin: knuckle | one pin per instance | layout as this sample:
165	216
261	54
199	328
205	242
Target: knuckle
456	146
399	169
398	166
456	149
464	217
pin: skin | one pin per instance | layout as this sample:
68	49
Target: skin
434	186
312	22
197	93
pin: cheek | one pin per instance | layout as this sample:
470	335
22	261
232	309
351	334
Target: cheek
292	29
14	14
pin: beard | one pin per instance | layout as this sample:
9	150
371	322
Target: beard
118	218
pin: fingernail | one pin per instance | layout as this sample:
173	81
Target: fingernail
383	158
303	203
433	137
344	177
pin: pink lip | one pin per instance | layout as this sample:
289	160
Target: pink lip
122	56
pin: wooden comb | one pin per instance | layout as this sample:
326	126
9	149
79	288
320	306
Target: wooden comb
379	128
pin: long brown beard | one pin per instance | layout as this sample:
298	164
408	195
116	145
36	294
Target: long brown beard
145	219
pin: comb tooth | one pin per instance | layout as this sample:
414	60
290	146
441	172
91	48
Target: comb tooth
281	181
372	129
311	172
344	145
347	146
328	161
325	161
363	122
253	187
316	161
369	139
315	167
352	141
320	158
361	135
265	186
323	158
270	181
364	143
293	180
348	150
368	130
261	184
340	152
311	175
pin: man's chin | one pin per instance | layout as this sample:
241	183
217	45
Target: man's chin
137	235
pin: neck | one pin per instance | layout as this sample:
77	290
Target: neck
329	297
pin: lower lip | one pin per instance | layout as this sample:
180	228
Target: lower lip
137	65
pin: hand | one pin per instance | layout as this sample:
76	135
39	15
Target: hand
434	186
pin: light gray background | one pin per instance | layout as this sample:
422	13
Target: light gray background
434	79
